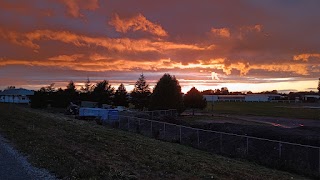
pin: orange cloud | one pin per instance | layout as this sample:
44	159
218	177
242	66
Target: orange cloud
305	57
118	44
222	32
137	23
17	39
254	28
66	57
244	30
301	69
74	6
98	63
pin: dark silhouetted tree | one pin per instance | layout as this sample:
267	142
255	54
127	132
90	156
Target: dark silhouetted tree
48	93
87	86
11	87
43	97
59	99
194	100
86	91
71	93
39	99
121	96
140	94
167	94
102	93
224	90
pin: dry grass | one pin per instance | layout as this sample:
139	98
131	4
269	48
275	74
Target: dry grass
74	149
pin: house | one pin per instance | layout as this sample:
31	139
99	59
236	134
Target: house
20	96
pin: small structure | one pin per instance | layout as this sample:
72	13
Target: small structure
99	113
19	96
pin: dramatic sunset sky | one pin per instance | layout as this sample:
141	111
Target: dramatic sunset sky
240	44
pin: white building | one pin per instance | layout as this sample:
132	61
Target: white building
21	96
243	98
311	97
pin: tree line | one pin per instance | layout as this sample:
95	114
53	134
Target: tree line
166	95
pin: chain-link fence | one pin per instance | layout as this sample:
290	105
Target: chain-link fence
303	159
153	115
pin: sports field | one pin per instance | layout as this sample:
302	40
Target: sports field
287	110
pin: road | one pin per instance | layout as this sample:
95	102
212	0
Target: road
14	166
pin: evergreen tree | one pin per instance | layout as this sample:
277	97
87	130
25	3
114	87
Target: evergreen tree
87	86
39	100
167	94
121	96
140	94
194	100
71	93
10	87
71	87
102	93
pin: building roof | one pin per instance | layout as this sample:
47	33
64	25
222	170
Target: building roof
19	91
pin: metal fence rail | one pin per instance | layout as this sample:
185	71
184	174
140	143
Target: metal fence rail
300	158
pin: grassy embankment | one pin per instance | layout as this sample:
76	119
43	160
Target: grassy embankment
264	109
83	150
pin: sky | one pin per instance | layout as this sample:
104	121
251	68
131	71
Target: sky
245	45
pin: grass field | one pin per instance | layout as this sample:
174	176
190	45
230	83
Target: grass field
74	149
264	109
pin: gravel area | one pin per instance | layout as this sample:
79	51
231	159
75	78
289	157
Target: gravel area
15	166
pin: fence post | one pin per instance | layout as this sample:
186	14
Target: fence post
319	161
180	134
280	145
119	122
164	131
198	138
247	146
152	115
220	143
151	129
128	123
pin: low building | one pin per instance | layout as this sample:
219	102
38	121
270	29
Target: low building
225	98
19	96
311	98
243	98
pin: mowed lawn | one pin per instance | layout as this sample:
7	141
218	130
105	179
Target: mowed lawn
265	109
74	149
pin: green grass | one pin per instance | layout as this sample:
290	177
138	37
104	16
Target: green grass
264	109
74	149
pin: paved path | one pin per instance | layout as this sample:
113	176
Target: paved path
14	166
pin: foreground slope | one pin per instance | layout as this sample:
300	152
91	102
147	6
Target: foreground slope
78	149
